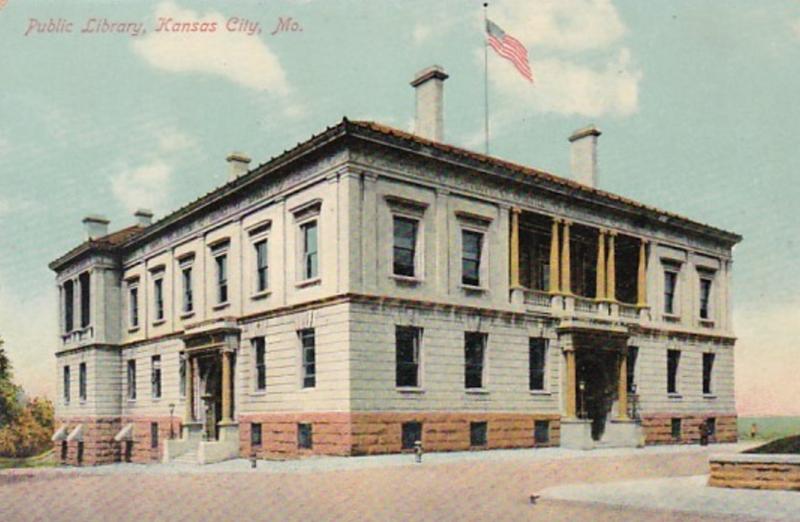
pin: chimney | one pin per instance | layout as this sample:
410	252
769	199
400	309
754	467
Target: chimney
95	226
583	155
238	165
144	217
429	84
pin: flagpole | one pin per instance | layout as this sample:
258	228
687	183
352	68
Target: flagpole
486	77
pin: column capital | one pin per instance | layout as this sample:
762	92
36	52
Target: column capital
602	231
516	210
611	232
567	222
557	219
644	241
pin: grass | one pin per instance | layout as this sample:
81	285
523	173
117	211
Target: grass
43	460
768	428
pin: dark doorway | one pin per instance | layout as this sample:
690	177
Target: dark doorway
596	370
210	384
128	451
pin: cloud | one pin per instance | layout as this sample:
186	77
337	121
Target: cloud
146	186
238	57
171	140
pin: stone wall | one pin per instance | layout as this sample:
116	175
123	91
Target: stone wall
97	441
331	434
755	471
658	428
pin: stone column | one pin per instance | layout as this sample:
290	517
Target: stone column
600	291
570	383
554	273
611	270
189	368
566	276
226	387
514	249
622	414
641	280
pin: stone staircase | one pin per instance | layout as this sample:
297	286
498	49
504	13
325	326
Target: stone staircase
190	457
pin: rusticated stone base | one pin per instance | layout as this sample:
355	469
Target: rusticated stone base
142	450
755	472
658	428
379	433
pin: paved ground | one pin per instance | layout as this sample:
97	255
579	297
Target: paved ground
493	485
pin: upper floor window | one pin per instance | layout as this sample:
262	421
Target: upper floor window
670	290
310	259
260	355
155	376
405	245
131	379
82	381
262	266
537	363
69	304
407	340
474	359
133	306
84	282
66	385
705	298
673	362
188	291
471	244
158	298
708	367
221	261
309	357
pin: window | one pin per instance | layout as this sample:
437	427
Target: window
80	452
84	282
222	278
310	256
670	285
305	436
131	380
255	435
66	384
411	432
307	345
541	432
474	353
405	244
182	375
471	244
673	361
153	435
158	298
705	298
262	266
708	367
537	362
155	376
82	381
630	366
133	306
477	433
407	356
69	303
675	428
711	426
259	351
188	298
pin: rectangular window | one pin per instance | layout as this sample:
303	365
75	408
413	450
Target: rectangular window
673	361
66	384
69	303
711	425
405	245
259	349
305	436
705	298
708	368
155	376
84	282
133	306
131	379
188	298
309	358
262	268
675	428
474	354
153	435
537	362
541	432
477	433
255	435
407	356
158	298
182	375
630	366
82	381
411	432
310	254
670	284
471	245
222	278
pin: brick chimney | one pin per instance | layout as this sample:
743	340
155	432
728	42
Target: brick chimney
95	226
144	217
238	165
429	86
583	155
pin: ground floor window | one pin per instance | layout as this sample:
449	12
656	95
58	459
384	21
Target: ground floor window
711	426
80	452
304	436
411	433
255	434
153	435
541	431
477	433
128	450
676	428
63	450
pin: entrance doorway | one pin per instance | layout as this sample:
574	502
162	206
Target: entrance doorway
596	387
209	393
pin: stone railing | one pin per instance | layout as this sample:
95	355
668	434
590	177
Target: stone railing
76	336
628	311
585	304
537	298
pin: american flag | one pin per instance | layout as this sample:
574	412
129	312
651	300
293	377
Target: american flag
509	48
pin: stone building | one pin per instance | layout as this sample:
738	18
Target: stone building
372	287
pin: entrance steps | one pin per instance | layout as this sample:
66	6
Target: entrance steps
190	457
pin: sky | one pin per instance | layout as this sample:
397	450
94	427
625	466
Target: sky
697	101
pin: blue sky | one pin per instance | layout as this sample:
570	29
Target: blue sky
697	102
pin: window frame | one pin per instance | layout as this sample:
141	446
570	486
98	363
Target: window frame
305	436
705	313
221	270
708	373
159	314
261	281
259	370
545	342
133	304
308	380
66	384
415	333
478	434
671	297
155	377
673	375
256	442
154	435
309	272
186	266
82	382
539	426
130	379
481	235
69	305
469	367
415	223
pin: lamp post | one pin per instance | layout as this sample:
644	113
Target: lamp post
582	387
171	428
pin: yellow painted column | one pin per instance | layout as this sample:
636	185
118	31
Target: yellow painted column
570	383
600	291
555	278
611	270
189	415
566	276
226	386
641	280
514	248
623	386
